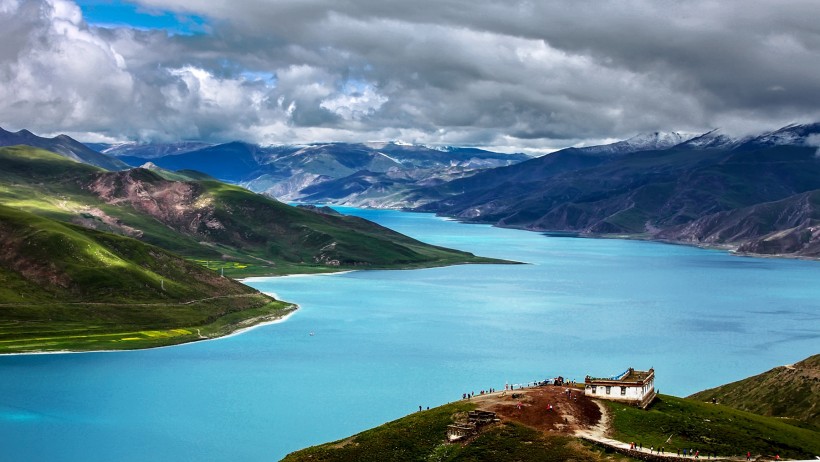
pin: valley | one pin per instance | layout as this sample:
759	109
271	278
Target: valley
754	195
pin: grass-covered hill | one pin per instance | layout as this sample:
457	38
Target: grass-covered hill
421	437
206	220
677	423
63	287
526	431
791	391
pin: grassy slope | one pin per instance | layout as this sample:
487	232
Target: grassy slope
421	437
294	237
67	287
786	391
691	424
711	428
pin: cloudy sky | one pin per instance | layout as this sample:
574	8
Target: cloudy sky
513	75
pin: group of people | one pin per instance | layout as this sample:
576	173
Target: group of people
472	393
694	453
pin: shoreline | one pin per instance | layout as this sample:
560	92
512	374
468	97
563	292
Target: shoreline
242	328
728	248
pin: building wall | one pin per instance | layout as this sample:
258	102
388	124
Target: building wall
632	392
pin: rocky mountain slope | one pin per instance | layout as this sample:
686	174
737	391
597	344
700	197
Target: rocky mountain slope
757	194
791	391
297	173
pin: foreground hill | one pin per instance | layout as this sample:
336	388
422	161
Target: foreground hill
205	219
758	195
529	430
791	391
65	287
421	437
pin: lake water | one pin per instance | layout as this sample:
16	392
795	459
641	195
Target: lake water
386	342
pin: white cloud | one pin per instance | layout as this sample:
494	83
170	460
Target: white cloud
355	102
538	75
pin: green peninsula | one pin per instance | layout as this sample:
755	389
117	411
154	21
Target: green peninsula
98	260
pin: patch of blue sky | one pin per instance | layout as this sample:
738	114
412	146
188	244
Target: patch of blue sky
118	13
353	86
268	78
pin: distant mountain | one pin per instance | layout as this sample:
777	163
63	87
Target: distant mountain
63	145
149	150
791	391
756	194
285	171
642	142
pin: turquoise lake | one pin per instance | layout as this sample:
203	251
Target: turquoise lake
386	342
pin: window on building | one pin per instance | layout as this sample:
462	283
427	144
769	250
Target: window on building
608	389
623	391
593	389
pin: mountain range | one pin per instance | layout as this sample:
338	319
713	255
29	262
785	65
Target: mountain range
374	171
758	194
63	145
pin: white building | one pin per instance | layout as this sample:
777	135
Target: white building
634	387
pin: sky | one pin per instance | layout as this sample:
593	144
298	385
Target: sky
530	76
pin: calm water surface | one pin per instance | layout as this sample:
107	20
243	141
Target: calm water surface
386	342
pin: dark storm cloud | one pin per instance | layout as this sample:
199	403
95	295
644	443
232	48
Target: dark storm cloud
528	75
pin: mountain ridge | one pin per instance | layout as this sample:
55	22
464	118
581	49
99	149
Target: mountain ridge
63	145
675	194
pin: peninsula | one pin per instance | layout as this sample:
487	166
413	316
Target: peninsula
106	260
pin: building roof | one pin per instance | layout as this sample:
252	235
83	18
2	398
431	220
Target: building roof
629	376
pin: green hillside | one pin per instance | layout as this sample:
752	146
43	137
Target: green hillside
678	423
220	225
66	287
791	391
670	422
421	437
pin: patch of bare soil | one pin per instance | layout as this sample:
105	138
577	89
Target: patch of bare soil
548	408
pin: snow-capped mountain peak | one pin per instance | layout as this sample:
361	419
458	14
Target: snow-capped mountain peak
710	140
641	142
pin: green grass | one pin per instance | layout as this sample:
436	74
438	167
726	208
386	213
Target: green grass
710	428
66	287
104	329
791	392
421	437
